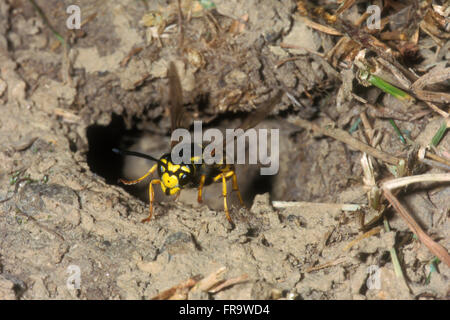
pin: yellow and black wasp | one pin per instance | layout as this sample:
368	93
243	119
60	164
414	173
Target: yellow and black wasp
196	174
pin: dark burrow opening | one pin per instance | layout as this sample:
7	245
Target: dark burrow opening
111	166
102	139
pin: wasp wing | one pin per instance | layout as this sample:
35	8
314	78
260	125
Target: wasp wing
175	100
261	112
252	119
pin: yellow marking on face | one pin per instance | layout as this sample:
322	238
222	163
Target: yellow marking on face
173	167
169	181
164	161
186	169
172	191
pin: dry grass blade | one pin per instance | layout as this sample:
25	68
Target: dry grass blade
438	97
302	204
321	28
213	283
327	265
435	108
344	6
401	79
180	26
363	236
434	247
401	182
67	116
367	126
431	77
175	291
437	158
229	283
210	281
345	137
436	164
437	161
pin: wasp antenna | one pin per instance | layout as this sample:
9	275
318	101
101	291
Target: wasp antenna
133	153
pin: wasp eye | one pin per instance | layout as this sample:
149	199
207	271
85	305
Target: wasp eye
184	179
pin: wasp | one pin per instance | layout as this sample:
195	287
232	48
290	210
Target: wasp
172	178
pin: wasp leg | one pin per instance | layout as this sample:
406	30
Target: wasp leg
151	195
232	174
224	177
224	193
200	188
236	188
152	169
